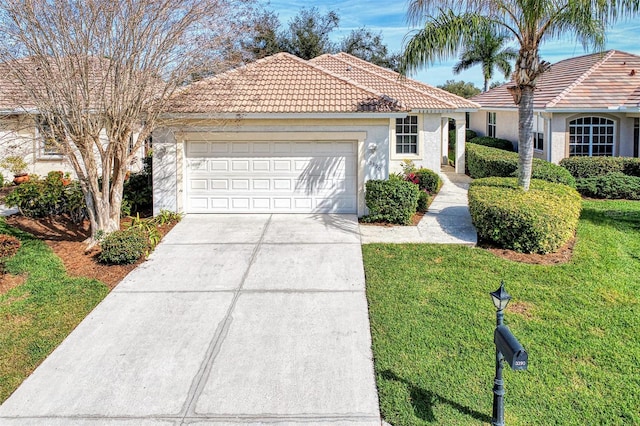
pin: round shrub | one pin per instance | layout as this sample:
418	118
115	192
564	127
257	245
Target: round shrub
9	246
613	186
540	220
393	201
428	180
502	144
124	247
423	201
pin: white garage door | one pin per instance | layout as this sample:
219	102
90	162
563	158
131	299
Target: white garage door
263	177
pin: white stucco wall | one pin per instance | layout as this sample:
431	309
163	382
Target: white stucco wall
18	136
168	185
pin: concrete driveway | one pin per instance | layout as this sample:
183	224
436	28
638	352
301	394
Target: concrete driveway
235	319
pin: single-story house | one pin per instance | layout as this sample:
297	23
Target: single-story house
287	135
583	106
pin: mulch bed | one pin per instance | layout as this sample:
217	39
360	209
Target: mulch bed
66	239
563	255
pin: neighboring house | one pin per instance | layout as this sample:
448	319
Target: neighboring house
584	106
24	133
287	135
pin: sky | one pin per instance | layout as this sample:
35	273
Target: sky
389	18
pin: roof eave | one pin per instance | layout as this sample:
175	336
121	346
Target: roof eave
283	116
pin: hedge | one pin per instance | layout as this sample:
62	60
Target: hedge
468	135
393	201
540	220
612	186
590	167
484	161
503	144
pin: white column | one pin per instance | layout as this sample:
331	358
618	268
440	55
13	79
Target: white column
461	129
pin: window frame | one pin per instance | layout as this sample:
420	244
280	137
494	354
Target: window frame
41	134
491	124
583	128
410	121
538	138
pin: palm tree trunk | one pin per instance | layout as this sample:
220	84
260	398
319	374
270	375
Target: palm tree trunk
486	84
525	136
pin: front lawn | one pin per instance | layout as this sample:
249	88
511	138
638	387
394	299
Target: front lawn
36	316
432	325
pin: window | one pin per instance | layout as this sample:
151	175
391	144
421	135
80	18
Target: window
538	141
51	138
491	124
591	137
407	135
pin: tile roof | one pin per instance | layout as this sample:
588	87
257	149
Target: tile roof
597	81
411	92
284	83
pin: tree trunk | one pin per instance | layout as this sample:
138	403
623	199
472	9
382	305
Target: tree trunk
486	84
525	136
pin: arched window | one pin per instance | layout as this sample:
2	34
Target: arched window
591	137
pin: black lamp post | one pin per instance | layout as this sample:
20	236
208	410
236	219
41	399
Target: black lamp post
500	300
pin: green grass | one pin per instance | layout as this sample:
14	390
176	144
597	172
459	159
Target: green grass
432	325
36	316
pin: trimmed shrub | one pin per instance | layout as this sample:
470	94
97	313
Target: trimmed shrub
51	196
613	186
540	220
423	201
124	247
631	166
484	161
428	180
9	246
589	167
493	143
468	135
393	201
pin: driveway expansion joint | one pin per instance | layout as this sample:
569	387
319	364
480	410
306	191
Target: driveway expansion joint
202	376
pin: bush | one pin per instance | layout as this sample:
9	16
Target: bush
137	195
423	201
484	161
428	180
613	186
124	247
51	196
503	144
393	201
540	220
9	246
469	134
590	167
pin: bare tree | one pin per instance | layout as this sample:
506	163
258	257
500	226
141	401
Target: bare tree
99	71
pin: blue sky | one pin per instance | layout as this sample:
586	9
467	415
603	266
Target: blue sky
389	18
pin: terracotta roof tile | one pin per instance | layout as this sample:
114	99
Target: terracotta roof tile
598	81
283	83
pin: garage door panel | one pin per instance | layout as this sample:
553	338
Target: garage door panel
298	177
261	165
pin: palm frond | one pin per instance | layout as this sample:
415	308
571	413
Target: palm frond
441	38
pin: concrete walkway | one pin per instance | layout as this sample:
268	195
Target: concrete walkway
243	319
446	222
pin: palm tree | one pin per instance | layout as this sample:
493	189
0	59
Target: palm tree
451	24
486	49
